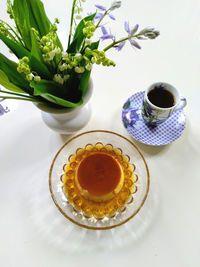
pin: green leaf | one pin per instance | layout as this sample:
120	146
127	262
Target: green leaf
31	14
94	45
4	81
38	17
16	48
53	92
21	17
57	59
36	64
61	102
79	37
84	81
9	67
125	124
126	105
58	42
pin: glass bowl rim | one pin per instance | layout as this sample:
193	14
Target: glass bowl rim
88	226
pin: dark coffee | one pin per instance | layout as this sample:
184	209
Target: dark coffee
161	97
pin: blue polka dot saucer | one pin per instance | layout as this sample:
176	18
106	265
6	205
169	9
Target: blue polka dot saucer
163	134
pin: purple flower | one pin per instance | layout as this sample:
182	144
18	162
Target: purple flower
133	117
2	109
103	8
135	28
104	30
106	35
135	44
111	16
120	46
98	16
127	28
131	32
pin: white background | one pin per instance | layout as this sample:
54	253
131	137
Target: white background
167	230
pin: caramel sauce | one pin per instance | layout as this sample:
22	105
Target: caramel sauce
98	169
99	173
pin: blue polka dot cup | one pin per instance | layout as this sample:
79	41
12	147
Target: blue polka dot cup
160	101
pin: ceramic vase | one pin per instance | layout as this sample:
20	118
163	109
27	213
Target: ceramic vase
68	120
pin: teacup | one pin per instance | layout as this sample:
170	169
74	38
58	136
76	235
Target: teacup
160	101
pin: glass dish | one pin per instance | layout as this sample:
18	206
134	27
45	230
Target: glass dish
124	147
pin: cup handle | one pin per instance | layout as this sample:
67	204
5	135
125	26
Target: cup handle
182	103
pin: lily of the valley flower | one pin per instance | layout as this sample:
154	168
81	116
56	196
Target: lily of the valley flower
66	77
79	69
78	17
87	41
88	67
53	53
37	78
58	78
63	67
64	55
78	55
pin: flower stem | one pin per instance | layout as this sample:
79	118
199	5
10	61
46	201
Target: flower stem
105	13
114	43
18	37
71	24
18	94
119	41
21	98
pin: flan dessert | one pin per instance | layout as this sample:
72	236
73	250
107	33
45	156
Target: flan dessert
98	180
99	177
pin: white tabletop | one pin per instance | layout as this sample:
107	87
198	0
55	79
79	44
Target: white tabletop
166	232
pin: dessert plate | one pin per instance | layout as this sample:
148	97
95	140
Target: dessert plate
73	207
163	134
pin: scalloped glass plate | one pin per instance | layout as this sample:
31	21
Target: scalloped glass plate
123	146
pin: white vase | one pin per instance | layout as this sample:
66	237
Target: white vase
68	120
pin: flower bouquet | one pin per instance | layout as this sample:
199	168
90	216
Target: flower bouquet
47	74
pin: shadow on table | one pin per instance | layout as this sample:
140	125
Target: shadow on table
65	137
151	150
56	231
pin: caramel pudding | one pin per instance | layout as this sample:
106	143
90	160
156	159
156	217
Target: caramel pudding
98	180
99	177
